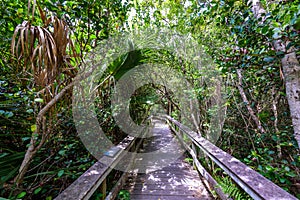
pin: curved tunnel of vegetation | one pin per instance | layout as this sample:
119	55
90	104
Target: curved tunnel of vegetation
44	45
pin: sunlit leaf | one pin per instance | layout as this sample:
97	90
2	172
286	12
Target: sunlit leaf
21	195
36	191
60	173
40	100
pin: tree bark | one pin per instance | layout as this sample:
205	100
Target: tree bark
274	108
40	131
245	100
34	147
291	72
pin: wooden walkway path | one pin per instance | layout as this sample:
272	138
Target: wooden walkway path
176	181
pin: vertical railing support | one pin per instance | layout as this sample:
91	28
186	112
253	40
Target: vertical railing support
103	188
196	153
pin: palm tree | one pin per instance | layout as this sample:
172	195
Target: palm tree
47	53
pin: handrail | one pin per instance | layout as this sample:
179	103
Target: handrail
85	186
211	182
253	183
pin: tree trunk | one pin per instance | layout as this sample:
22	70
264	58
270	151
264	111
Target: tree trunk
291	72
30	153
245	100
40	131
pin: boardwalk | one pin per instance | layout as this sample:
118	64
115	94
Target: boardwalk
178	180
163	179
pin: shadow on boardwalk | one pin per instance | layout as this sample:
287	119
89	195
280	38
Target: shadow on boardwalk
176	181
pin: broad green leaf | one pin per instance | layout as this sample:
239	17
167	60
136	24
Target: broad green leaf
33	128
36	191
21	195
269	168
29	110
291	174
282	180
62	152
60	173
287	169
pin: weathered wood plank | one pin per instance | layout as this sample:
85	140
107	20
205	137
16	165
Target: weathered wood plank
211	182
177	180
164	197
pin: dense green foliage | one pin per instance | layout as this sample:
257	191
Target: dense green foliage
227	30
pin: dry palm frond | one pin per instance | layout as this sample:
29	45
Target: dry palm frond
46	52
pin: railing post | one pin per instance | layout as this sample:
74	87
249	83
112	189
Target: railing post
133	147
196	153
103	188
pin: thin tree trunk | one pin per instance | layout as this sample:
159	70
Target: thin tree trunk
40	130
245	100
41	127
291	72
274	108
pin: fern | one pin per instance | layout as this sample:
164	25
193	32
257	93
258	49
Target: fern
231	189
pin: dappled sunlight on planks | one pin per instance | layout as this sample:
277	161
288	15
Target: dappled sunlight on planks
177	180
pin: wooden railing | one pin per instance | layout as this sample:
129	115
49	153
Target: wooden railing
253	183
257	186
95	177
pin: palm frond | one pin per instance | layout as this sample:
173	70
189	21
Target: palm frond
9	165
47	53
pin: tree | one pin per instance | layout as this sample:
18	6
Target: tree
50	52
291	70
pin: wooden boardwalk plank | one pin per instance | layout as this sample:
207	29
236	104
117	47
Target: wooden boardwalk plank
178	180
165	197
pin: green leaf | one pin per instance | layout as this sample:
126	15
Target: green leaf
271	152
29	110
276	24
36	191
287	169
269	59
291	174
9	114
280	53
282	180
25	139
60	173
39	100
265	30
290	44
62	152
21	195
269	168
275	138
33	128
